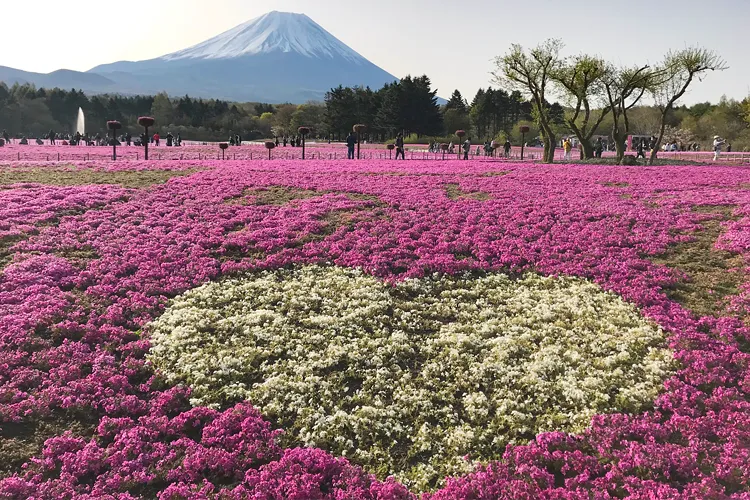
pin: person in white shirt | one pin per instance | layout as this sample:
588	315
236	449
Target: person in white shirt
718	143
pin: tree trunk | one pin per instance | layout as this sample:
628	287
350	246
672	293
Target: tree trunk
655	151
549	147
619	147
588	150
549	142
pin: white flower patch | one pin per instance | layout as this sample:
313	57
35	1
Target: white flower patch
409	379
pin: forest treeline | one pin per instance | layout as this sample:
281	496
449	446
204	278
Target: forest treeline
410	106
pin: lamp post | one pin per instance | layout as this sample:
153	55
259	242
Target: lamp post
303	131
269	146
223	146
524	130
390	148
114	126
460	134
359	128
146	122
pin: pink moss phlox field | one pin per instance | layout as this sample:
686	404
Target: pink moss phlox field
316	150
72	345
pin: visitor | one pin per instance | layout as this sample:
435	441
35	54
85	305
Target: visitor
567	147
179	139
238	140
506	148
276	141
479	150
24	141
52	138
640	150
128	138
170	139
598	148
400	146
729	147
351	141
231	140
39	142
451	148
156	139
284	141
467	148
6	136
718	143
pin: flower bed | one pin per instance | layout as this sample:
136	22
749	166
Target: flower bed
89	267
408	380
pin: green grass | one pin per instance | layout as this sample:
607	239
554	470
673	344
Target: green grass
713	275
135	179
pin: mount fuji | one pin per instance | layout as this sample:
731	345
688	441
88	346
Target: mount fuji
277	57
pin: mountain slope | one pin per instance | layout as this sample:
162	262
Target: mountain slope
61	78
277	57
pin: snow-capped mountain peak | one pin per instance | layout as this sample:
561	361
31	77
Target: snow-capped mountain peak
271	32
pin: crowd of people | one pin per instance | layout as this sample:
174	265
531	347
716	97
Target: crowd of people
86	139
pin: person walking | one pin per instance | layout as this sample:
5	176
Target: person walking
156	139
599	148
641	152
400	146
52	137
567	147
718	143
467	148
351	141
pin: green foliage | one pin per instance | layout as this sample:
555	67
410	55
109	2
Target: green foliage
408	106
26	110
493	111
457	103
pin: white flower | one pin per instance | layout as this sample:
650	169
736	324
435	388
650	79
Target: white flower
407	380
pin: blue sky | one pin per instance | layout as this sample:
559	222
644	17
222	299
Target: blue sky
452	42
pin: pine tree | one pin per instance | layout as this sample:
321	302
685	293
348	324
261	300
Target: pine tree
457	103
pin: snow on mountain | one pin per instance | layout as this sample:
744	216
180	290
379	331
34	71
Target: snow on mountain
271	32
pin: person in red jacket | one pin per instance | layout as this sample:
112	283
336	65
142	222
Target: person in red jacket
156	139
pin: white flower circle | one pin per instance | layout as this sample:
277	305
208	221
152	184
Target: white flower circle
408	379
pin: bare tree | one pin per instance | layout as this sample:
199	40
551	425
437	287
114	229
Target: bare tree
678	71
531	73
624	88
581	81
